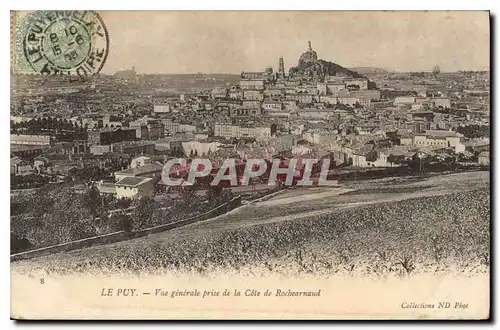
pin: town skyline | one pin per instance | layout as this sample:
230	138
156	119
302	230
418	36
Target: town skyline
402	42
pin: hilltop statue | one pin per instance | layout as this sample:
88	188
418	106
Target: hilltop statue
309	56
311	67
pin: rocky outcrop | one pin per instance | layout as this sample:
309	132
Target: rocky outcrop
310	66
320	69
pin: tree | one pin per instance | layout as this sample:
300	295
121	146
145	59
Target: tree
19	244
436	70
123	203
213	192
142	215
125	222
391	159
93	200
58	215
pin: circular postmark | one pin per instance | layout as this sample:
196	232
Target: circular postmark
65	42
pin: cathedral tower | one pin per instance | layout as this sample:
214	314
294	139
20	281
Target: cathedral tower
281	70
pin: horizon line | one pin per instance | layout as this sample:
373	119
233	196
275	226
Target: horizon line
239	73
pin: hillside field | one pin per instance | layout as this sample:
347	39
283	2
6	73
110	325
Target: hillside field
384	228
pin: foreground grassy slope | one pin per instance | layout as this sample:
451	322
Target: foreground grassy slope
434	234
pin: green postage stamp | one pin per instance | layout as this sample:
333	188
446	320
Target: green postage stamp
58	42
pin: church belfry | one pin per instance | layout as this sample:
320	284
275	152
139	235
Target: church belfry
281	69
310	47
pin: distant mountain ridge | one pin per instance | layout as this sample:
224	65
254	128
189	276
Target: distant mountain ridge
368	70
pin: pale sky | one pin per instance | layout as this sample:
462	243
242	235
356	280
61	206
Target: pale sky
231	42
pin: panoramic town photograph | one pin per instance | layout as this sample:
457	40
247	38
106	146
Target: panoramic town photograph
333	145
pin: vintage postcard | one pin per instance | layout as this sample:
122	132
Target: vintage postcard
250	165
